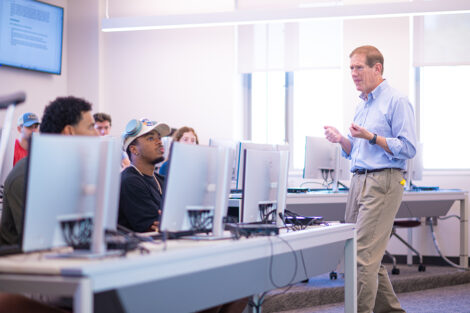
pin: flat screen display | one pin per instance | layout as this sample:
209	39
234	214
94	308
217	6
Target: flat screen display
31	35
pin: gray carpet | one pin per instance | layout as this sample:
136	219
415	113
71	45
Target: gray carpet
447	288
452	299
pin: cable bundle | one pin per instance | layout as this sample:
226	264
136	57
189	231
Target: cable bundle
77	233
299	222
266	216
201	220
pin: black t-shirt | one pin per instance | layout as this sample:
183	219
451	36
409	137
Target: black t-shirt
140	200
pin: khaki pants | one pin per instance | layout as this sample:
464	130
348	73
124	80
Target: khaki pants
373	202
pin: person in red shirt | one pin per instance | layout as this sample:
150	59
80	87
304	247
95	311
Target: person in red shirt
28	124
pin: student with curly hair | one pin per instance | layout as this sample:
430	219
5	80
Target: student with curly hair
64	115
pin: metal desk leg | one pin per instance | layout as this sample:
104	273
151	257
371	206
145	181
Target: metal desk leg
350	275
464	231
83	297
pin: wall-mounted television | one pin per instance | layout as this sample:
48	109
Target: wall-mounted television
31	35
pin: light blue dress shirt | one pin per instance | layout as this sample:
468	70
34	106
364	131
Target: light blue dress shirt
389	114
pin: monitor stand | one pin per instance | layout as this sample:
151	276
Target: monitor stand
409	185
336	178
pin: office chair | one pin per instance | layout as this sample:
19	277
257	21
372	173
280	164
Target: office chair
405	224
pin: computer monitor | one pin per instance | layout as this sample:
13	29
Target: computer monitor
323	160
414	166
197	189
232	145
71	178
244	145
238	148
166	142
264	186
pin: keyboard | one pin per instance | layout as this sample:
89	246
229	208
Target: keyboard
252	229
303	220
424	188
297	190
306	190
170	234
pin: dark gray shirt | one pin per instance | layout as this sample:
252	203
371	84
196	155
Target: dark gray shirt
11	226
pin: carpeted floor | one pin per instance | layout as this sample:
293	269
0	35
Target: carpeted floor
438	289
452	299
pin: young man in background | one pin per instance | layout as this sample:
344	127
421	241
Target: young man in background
28	124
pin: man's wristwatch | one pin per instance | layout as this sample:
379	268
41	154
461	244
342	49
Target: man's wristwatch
373	141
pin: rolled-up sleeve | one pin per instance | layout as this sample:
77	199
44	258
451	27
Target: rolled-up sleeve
343	153
403	143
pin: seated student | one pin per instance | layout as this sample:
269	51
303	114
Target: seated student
103	125
142	190
141	194
66	116
184	134
28	124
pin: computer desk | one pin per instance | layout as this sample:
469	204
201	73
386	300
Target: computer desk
189	275
414	204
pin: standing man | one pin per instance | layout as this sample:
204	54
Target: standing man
141	196
383	137
28	124
103	126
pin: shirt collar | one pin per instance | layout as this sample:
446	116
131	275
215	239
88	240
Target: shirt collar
376	92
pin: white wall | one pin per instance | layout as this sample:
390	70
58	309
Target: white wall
182	77
83	28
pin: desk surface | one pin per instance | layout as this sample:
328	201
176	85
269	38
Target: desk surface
167	276
332	205
453	194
